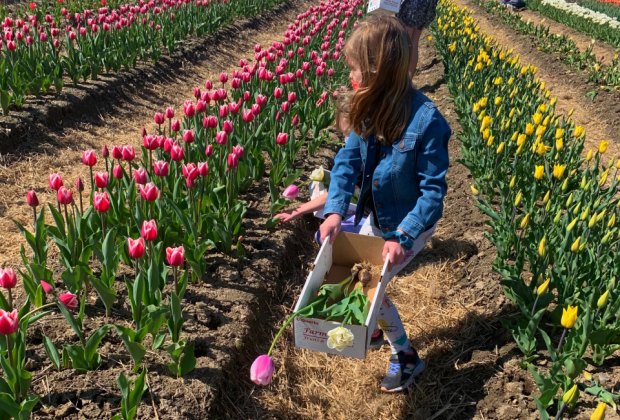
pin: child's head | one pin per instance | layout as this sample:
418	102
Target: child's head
343	109
378	53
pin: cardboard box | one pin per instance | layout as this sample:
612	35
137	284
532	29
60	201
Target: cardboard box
332	265
389	6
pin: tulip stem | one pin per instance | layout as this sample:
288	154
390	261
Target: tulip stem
8	349
34	213
287	323
10	300
176	282
561	340
535	302
81	205
562	408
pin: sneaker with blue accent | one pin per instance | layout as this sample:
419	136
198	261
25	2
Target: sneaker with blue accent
404	368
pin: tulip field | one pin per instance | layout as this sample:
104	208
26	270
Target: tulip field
143	272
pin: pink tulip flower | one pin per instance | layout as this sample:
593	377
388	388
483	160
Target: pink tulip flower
69	300
203	168
149	230
117	152
177	153
32	199
89	158
159	118
129	153
169	114
117	172
64	196
140	176
55	181
209	150
101	202
161	168
282	139
149	192
188	136
189	109
102	179
175	256
8	278
291	192
79	185
47	288
136	247
262	370
9	322
175	126
221	137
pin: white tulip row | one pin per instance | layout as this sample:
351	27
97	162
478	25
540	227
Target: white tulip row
575	9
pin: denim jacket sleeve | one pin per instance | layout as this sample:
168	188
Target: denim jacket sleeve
432	164
347	165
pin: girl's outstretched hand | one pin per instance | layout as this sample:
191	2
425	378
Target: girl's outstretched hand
330	227
287	217
394	251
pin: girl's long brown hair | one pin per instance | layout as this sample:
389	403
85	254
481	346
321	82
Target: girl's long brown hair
380	47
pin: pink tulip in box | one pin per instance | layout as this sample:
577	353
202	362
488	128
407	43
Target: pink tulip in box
334	263
390	6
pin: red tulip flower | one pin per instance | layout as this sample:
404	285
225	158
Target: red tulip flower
117	172
47	288
136	247
169	113
189	109
188	136
201	106
238	150
221	137
209	150
150	142
175	256
159	118
8	278
129	153
223	77
224	111
79	185
292	97
9	322
228	126
55	181
149	192
32	199
117	152
247	115
177	153
295	120
277	93
69	300
233	160
64	196
149	230
197	92
101	202
208	85
175	126
139	175
105	152
209	121
203	168
282	139
102	179
89	158
161	168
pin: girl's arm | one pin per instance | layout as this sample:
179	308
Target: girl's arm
432	165
317	203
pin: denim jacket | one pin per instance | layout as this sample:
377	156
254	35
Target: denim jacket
408	184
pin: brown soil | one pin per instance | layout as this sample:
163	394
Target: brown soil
600	116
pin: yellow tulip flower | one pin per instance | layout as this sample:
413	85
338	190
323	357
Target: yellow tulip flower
602	146
518	198
500	148
599	412
474	190
513	180
542	289
539	172
529	129
542	247
579	131
575	246
571	396
569	317
558	171
602	300
525	221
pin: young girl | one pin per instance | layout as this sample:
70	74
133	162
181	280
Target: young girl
402	142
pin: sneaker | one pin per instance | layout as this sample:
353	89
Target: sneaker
377	340
404	368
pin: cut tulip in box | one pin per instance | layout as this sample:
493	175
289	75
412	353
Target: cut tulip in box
333	263
390	6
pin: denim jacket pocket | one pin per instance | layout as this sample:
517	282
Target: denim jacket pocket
404	153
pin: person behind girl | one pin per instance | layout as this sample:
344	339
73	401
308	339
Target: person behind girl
401	139
416	15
